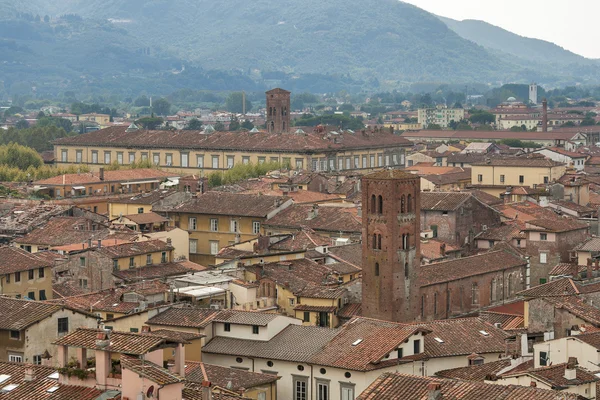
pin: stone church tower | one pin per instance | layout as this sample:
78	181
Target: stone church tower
391	245
278	111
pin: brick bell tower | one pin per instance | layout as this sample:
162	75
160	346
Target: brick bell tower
278	111
391	254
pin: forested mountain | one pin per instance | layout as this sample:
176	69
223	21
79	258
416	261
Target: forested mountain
161	45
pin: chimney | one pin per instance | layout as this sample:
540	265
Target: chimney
571	369
434	391
169	242
533	384
589	268
359	210
101	176
29	374
99	243
545	115
89	244
206	390
314	212
443	249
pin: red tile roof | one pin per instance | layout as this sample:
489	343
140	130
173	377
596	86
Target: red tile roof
234	379
150	371
308	142
123	175
394	386
185	317
328	219
14	259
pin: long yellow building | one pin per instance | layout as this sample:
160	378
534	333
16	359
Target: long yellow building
190	152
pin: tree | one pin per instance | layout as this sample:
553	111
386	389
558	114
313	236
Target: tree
12	111
142	101
55	121
234	125
46	18
568	124
247	125
15	155
219	127
233	103
41	115
215	179
22	124
194	125
151	123
588	122
161	106
346	107
434	127
482	117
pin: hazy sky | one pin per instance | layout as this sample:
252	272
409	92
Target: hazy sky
571	24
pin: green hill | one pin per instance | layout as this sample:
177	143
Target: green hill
496	38
229	44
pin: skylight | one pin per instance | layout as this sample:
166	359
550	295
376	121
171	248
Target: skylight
52	389
10	387
484	333
53	375
357	342
437	339
3	378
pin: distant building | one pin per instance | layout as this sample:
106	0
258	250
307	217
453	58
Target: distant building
441	116
533	92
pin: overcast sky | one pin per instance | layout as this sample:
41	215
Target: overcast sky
571	24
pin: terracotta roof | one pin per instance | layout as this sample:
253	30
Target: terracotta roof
577	307
116	342
467	158
486	198
450	177
329	219
393	386
506	321
557	224
17	314
38	388
305	239
591	244
59	231
446	271
152	272
536	162
554	376
462	336
306	307
389	174
493	135
222	203
193	391
185	317
245	317
111	300
375	338
122	175
443	201
150	371
144	198
234	379
136	248
308	142
593	339
508	230
478	373
146	218
350	254
14	259
66	289
559	287
177	335
432	249
566	269
308	340
350	310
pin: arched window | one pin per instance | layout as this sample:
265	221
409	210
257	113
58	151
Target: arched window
272	126
376	269
374	241
474	293
422	305
379	242
409	204
285	111
510	284
380	204
402	247
406	241
402	204
448	308
406	270
284	126
493	294
435	299
270	110
274	111
373	202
